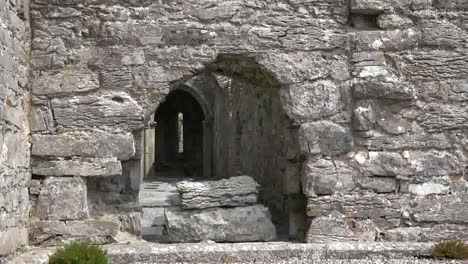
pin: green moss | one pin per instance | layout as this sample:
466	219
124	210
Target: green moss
79	253
453	249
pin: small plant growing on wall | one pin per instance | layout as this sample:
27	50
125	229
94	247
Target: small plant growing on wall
79	253
452	249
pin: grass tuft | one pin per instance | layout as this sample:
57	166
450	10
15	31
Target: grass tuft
79	253
452	249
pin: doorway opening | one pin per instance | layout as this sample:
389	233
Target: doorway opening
179	137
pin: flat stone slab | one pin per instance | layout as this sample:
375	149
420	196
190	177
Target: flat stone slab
239	224
272	252
85	167
232	192
159	193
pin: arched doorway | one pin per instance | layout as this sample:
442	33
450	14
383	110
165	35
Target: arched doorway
180	137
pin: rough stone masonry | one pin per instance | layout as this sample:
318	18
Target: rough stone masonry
376	93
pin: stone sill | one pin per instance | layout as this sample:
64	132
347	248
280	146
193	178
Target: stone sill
273	252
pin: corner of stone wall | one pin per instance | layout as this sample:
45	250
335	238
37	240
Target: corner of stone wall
14	128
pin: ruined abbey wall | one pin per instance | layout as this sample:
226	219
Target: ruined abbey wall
376	91
14	139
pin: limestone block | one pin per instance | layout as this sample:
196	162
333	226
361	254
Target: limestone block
326	138
436	163
327	177
235	191
393	21
368	206
364	115
367	6
239	224
378	141
440	209
312	100
152	216
403	234
442	33
384	40
382	163
65	82
11	239
378	184
116	78
428	188
78	167
94	144
40	119
97	231
384	88
336	228
442	117
393	124
441	232
289	68
115	110
434	64
451	4
62	199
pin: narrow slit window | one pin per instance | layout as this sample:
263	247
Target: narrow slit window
180	132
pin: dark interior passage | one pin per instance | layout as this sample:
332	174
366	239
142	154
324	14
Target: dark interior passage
179	136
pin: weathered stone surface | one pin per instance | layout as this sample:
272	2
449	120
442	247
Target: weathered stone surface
78	167
436	117
95	230
393	21
115	110
325	138
428	188
364	115
240	224
403	234
338	228
384	88
62	199
443	34
358	207
71	81
312	100
97	144
327	177
379	184
12	238
435	64
384	40
367	6
440	209
382	163
235	191
272	252
152	216
436	163
444	232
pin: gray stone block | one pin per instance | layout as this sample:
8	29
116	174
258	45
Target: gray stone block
93	144
232	192
84	167
62	199
239	224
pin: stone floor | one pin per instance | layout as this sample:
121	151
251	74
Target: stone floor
278	252
160	192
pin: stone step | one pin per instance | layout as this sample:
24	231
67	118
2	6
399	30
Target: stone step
272	252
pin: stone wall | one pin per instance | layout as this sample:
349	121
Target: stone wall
14	105
377	88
